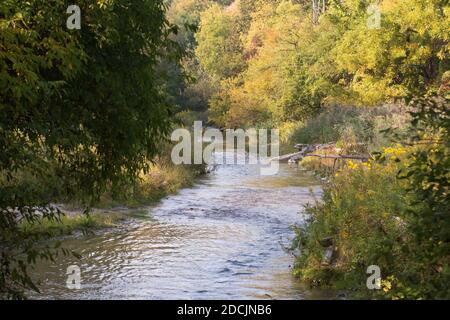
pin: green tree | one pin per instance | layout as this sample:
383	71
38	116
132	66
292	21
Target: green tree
406	55
428	182
84	104
219	49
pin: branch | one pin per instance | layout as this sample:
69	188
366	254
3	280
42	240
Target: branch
355	157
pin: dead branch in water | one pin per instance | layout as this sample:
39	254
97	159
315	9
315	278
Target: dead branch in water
331	156
307	149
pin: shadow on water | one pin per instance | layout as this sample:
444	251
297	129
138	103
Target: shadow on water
221	239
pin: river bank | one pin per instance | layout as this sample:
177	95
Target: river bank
111	211
389	214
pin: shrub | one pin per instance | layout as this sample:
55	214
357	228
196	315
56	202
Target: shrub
349	125
392	211
361	210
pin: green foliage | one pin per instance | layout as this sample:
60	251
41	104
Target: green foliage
219	50
186	15
162	179
392	212
428	181
75	96
360	211
407	55
187	118
188	85
85	105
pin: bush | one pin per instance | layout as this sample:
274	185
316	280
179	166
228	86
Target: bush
392	212
361	211
349	125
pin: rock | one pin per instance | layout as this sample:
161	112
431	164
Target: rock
326	242
328	256
342	295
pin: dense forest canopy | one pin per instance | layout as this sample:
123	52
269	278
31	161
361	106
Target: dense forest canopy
269	61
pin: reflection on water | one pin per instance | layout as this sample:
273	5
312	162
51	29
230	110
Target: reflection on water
222	239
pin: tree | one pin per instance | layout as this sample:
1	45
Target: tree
427	175
296	65
407	55
219	50
188	85
84	106
278	84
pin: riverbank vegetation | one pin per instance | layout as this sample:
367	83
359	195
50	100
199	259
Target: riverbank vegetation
391	212
71	223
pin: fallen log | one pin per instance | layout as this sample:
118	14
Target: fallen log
301	146
307	149
286	157
331	156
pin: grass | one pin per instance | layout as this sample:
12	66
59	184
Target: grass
162	180
361	211
68	224
390	212
348	126
367	212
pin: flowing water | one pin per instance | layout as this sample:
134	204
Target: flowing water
224	238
